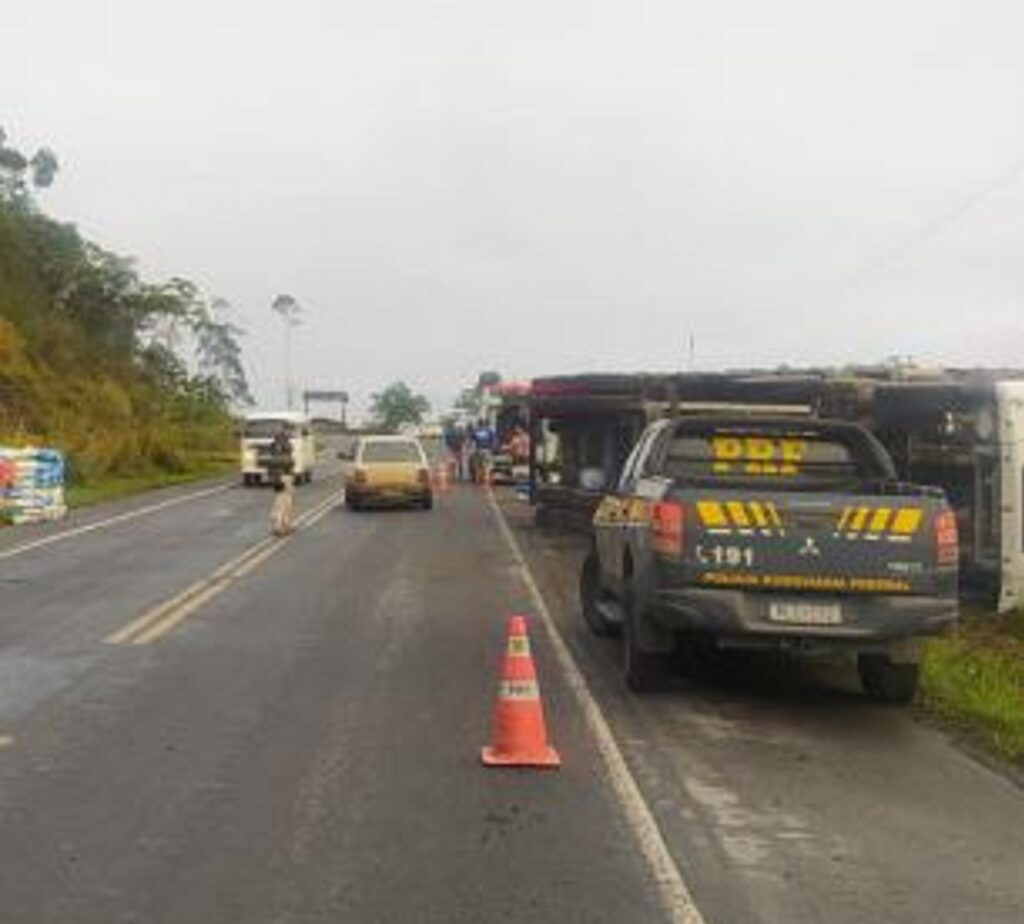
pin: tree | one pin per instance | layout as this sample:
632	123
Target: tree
470	400
41	168
219	351
396	405
290	313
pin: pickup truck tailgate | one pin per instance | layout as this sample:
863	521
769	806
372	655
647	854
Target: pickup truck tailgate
813	543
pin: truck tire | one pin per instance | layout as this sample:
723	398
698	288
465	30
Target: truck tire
886	681
590	594
645	670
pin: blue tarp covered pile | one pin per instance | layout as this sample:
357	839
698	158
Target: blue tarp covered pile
31	485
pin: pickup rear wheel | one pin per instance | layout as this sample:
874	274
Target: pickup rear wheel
645	670
887	681
590	597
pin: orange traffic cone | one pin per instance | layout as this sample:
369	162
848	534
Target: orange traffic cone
520	734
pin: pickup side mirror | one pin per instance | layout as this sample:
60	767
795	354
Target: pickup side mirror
346	455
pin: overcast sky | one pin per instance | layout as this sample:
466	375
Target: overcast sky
543	187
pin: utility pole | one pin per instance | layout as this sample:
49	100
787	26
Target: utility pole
288	309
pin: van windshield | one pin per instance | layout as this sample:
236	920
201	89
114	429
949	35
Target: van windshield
267	427
391	451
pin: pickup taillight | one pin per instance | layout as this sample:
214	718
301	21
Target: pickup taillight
424	476
359	476
947	540
668	527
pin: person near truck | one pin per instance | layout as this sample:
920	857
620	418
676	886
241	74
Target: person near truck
483	440
280	463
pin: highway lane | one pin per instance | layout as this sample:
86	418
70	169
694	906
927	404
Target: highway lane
302	747
785	796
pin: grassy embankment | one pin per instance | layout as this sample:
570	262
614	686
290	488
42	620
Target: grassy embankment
77	372
974	681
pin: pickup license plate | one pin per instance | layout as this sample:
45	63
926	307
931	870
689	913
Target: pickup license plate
806	614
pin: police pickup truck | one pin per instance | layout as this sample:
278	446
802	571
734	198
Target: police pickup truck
771	531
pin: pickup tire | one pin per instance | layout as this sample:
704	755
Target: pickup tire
887	681
591	594
644	670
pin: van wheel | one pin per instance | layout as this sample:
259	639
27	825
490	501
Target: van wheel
590	595
644	670
886	681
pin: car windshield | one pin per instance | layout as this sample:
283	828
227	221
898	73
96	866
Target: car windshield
266	427
391	451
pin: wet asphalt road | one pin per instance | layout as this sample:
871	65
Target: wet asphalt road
296	739
786	797
303	747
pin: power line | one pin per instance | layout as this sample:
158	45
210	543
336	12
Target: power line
932	227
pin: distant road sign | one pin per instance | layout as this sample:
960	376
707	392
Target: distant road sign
340	396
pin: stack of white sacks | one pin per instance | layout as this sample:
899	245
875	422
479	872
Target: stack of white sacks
31	485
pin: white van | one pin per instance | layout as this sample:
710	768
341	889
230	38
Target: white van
261	428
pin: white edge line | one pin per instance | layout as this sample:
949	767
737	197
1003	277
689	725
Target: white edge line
112	521
676	898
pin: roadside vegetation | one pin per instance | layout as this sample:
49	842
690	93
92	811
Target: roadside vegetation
396	406
975	681
133	380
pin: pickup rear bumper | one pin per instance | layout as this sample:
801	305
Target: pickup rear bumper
742	619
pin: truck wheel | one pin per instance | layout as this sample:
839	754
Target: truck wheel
645	670
590	595
887	681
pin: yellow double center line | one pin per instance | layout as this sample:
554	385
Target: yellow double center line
161	619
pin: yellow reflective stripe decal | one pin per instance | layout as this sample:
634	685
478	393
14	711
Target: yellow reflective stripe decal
907	521
757	511
879	520
773	512
844	518
737	513
859	519
712	514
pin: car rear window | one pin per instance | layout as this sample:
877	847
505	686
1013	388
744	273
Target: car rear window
795	460
391	451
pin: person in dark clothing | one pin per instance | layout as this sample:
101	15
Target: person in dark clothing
280	464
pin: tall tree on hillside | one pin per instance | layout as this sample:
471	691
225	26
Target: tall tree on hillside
220	353
396	405
17	171
290	313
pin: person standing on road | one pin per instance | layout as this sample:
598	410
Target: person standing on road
281	469
483	440
455	439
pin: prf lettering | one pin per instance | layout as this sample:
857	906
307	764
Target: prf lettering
757	455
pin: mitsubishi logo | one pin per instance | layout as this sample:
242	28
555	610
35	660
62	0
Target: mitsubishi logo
810	547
